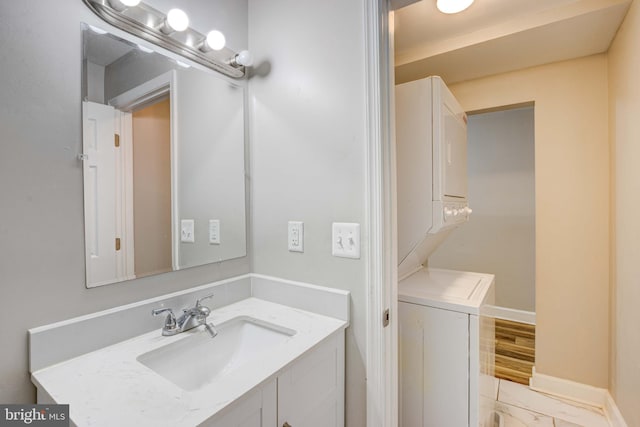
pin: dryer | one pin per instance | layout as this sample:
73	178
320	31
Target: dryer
431	153
446	344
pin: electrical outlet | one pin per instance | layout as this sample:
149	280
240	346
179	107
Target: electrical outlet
345	240
214	231
296	236
187	234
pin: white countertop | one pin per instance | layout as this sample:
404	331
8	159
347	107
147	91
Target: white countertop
109	387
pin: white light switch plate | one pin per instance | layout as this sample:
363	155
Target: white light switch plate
187	234
214	231
296	236
345	241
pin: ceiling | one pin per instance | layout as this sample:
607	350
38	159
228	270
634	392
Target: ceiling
104	49
496	36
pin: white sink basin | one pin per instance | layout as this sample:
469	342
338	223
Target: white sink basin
198	360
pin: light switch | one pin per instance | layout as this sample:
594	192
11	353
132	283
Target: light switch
214	231
345	240
187	234
296	236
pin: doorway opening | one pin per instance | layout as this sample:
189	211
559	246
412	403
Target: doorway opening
151	147
500	237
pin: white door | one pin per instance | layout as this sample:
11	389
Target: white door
99	170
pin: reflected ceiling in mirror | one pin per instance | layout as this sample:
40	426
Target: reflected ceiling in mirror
163	162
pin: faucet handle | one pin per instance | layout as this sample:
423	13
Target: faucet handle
170	321
203	298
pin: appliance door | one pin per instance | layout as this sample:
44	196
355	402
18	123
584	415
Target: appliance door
452	143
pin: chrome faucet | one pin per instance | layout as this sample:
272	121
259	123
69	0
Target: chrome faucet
189	319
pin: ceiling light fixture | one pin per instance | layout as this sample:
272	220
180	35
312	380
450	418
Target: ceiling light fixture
453	6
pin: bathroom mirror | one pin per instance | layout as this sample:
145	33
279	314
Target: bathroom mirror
163	162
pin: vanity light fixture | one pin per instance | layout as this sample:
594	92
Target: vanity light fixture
453	6
172	32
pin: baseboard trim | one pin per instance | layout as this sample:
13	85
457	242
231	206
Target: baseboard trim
613	414
578	392
528	317
567	389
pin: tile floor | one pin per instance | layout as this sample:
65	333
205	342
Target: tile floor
519	406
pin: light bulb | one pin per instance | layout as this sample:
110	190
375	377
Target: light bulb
244	58
121	5
216	40
177	20
453	6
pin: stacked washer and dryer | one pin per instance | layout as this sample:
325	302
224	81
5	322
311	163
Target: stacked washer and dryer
447	347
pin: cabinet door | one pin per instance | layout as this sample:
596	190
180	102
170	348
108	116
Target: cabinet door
434	367
311	392
257	409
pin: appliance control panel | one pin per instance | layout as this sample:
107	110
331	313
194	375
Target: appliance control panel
449	214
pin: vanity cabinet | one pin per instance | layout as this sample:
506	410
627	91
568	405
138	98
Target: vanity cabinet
309	393
271	364
257	409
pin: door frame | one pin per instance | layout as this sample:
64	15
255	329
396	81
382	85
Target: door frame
382	273
139	97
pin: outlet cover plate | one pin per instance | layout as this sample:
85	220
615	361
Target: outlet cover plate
345	240
187	231
296	236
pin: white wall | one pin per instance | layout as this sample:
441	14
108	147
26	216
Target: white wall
41	214
500	235
572	208
308	152
624	110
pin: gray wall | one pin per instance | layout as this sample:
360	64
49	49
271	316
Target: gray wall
500	235
211	165
41	212
308	143
210	150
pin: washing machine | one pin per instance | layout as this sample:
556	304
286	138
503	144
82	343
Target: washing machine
446	342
